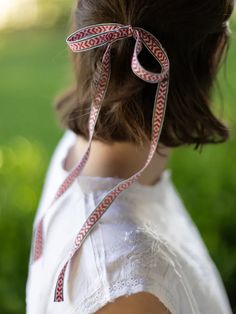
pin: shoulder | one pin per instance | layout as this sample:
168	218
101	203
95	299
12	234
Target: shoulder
139	269
137	303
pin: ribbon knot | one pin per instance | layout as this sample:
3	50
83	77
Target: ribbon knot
130	30
83	40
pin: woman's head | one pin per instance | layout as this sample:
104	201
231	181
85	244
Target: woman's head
194	34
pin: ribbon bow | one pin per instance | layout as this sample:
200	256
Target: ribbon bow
93	37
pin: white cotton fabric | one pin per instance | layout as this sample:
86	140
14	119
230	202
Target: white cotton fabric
145	241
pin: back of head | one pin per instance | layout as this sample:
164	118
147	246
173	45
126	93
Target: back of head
195	36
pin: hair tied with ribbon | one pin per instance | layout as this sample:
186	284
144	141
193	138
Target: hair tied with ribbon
83	40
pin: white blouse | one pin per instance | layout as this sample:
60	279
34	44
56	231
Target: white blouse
146	241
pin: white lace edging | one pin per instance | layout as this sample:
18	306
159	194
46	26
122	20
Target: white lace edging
125	287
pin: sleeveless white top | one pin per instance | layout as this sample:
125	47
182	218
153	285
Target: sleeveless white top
145	241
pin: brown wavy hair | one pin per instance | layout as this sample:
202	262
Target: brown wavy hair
195	35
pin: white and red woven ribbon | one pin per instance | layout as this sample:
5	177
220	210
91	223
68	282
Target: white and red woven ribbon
89	38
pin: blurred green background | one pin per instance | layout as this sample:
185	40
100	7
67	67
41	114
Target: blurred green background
34	67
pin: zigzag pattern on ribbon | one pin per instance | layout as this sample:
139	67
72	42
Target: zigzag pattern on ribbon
89	38
92	30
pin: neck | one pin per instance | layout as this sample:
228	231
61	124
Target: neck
119	159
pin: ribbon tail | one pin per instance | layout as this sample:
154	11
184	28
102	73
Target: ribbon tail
38	243
59	295
159	112
101	88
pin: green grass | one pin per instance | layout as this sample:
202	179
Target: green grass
34	67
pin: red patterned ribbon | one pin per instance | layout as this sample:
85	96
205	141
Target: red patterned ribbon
89	38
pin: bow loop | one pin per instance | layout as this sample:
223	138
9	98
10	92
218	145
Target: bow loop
155	48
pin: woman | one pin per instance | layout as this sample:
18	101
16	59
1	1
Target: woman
145	255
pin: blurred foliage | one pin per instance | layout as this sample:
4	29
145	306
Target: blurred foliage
22	167
36	71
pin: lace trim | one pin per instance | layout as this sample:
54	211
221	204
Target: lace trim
132	285
147	252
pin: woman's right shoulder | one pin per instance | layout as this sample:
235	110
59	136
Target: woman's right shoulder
133	261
